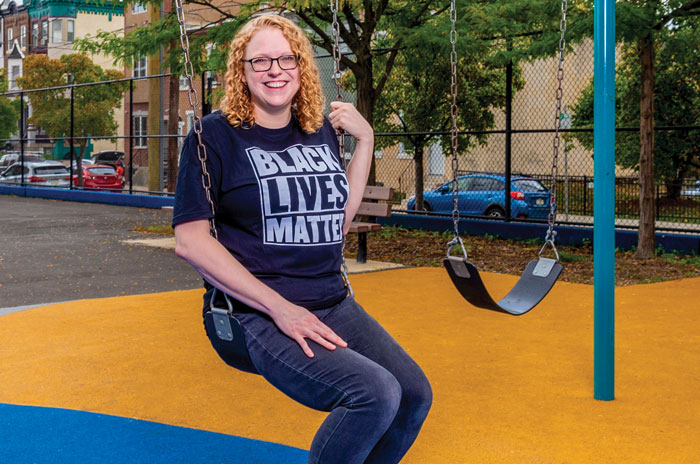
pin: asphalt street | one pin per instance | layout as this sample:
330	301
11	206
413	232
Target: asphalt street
53	251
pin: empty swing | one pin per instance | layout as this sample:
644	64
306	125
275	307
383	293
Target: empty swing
540	274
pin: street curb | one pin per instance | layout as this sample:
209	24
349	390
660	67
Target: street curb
108	198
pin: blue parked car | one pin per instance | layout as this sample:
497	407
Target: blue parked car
484	195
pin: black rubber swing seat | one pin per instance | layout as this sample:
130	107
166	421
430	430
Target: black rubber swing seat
536	281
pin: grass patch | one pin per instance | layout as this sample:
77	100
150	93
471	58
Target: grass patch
677	258
566	257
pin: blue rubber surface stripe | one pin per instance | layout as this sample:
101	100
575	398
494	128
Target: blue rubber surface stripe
37	435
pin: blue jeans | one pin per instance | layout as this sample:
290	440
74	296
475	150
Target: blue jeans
377	396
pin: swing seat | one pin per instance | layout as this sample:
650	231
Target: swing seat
536	281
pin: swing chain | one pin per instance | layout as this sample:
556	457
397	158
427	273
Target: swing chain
197	124
551	233
453	114
335	26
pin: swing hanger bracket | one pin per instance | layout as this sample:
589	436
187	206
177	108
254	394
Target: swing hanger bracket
549	240
457	240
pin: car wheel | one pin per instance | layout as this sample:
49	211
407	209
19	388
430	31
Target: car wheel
426	207
495	212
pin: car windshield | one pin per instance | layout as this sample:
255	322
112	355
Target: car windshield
529	185
45	170
101	171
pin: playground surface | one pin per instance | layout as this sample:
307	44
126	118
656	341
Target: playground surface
132	379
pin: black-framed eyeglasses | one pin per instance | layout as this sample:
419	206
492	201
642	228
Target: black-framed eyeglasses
264	63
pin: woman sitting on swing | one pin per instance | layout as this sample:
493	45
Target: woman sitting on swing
283	202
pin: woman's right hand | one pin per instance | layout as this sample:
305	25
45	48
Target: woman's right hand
299	324
218	267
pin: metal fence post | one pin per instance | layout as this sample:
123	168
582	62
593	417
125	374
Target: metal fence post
21	134
657	203
509	133
131	136
72	153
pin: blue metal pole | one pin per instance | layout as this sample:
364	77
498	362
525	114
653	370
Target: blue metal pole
604	200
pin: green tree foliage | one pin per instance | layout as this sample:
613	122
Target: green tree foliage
93	105
647	28
417	100
375	32
676	103
9	112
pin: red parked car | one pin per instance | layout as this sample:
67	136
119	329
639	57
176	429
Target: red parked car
99	176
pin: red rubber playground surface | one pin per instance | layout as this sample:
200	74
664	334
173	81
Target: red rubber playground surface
133	379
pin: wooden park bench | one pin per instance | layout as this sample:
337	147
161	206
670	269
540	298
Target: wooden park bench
371	209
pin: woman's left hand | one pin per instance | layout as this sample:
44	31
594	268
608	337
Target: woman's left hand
344	116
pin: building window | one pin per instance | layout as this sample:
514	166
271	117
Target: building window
403	150
138	8
70	31
35	34
57	31
140	124
140	67
184	83
9	39
190	120
16	72
44	32
23	36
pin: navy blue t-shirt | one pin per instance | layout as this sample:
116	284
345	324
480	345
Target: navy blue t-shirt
279	196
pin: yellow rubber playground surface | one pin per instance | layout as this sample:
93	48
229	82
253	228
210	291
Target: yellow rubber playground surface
506	389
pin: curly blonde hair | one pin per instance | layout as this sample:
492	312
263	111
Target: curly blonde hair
307	104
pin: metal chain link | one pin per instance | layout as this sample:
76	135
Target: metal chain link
551	233
197	125
337	75
456	240
453	114
335	27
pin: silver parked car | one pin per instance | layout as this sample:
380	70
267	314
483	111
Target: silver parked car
14	157
43	174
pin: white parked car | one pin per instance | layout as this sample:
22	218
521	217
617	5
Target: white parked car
693	190
43	174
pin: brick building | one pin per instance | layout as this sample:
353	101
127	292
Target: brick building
136	15
50	27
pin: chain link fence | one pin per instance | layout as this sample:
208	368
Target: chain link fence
523	150
527	150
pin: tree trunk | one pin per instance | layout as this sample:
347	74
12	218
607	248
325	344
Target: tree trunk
646	243
173	122
418	169
154	115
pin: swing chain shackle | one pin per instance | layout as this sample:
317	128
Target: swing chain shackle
551	219
335	27
197	124
549	240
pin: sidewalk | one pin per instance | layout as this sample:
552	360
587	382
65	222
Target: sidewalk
354	267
